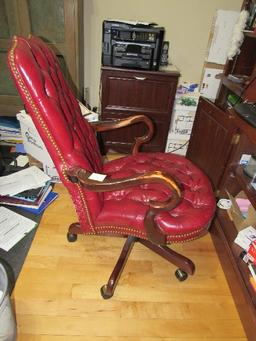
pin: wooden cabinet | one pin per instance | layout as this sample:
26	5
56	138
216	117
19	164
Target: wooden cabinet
212	139
223	233
126	92
59	23
218	140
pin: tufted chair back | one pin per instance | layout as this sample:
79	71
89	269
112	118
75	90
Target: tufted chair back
73	143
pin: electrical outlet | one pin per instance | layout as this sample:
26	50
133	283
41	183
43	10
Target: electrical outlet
87	94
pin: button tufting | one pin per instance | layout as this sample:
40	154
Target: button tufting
197	204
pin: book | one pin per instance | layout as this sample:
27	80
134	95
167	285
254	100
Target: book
9	123
48	200
11	201
10	133
252	268
253	282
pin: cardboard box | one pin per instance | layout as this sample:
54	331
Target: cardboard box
210	82
183	116
34	146
176	146
182	122
236	215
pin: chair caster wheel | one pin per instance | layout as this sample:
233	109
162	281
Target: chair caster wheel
71	237
104	294
181	275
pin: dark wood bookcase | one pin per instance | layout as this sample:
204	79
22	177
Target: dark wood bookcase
219	138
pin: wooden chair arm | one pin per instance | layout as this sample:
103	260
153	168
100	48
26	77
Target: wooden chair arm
101	126
154	234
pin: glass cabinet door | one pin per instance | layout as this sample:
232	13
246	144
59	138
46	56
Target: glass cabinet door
59	23
9	26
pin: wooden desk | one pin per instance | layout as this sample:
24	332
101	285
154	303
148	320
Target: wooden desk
57	295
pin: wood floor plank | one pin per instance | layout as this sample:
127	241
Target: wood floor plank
103	327
57	294
29	337
123	309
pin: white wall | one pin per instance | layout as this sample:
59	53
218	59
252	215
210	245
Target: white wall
187	27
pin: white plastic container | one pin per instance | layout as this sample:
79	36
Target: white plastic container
7	317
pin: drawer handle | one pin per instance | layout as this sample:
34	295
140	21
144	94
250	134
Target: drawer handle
140	78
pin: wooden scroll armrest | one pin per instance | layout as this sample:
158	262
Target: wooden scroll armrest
101	126
154	234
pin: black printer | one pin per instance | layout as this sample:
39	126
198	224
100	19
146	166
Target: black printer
131	45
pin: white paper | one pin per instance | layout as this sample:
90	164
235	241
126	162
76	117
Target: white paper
51	171
245	237
13	227
89	115
84	110
21	160
132	22
23	180
97	177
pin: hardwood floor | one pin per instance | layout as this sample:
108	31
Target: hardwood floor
57	296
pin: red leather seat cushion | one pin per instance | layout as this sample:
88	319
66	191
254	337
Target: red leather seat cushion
127	207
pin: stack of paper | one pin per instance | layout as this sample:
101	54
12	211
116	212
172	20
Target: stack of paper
29	189
28	178
10	133
13	227
25	199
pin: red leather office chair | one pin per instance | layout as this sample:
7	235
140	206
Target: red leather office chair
151	198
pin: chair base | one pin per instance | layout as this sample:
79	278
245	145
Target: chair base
107	291
185	265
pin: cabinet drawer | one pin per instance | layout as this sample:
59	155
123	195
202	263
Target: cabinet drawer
142	92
